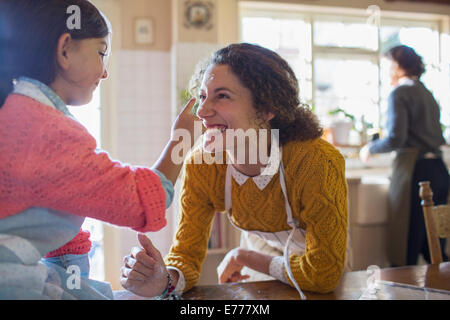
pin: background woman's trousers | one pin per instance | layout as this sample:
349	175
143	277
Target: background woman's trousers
435	171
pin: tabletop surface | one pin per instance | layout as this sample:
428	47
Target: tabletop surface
351	287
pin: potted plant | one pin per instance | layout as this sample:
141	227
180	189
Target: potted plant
341	126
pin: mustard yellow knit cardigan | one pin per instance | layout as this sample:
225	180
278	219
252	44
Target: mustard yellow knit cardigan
317	193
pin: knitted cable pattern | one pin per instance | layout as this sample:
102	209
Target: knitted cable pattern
317	193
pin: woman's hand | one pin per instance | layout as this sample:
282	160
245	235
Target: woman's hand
364	154
229	270
144	272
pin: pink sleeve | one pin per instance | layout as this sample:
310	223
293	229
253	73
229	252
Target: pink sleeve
67	174
78	245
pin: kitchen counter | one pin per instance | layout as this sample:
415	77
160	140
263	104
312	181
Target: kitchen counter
368	214
368	173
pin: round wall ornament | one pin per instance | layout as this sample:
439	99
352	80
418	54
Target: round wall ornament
198	14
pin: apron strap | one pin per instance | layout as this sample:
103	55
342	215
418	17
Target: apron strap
228	189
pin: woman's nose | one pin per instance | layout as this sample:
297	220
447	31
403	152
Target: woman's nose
205	109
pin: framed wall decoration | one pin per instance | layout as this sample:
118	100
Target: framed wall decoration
198	14
144	33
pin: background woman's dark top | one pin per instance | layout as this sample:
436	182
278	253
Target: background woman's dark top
413	121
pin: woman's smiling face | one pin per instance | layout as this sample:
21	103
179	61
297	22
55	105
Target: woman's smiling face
224	103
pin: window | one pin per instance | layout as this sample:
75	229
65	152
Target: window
424	38
339	60
347	82
89	116
344	33
291	38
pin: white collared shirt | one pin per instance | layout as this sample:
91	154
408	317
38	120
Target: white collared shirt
261	181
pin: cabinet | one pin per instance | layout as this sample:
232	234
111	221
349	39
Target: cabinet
367	211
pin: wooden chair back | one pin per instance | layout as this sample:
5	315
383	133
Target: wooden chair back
437	221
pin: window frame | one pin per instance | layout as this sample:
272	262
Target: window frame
309	14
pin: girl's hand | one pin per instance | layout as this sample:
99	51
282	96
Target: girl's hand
144	272
170	161
185	120
229	270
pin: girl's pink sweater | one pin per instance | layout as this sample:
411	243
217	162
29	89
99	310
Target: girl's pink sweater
49	160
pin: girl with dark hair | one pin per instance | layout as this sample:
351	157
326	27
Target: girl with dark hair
293	219
414	132
51	174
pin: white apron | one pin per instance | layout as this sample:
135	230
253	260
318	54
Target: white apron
281	240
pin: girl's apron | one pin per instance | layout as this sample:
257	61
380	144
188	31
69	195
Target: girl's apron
399	199
280	240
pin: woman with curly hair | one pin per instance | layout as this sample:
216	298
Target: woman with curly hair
414	132
293	220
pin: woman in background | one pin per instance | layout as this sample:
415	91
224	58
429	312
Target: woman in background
414	132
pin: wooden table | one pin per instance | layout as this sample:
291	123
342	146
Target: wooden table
351	287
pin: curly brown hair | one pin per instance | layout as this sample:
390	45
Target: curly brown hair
273	85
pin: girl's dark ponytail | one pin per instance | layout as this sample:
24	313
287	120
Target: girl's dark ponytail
6	87
6	72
